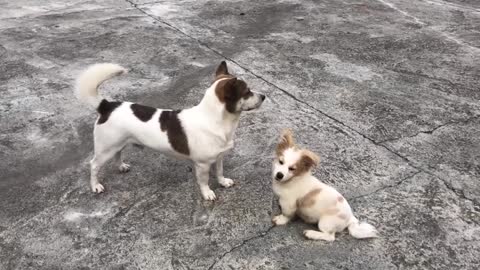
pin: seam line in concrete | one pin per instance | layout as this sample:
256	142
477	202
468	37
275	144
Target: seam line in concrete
258	236
396	184
431	131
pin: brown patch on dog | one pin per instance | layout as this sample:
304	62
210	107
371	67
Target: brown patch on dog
105	108
230	91
309	198
170	123
342	216
286	141
340	199
144	113
307	161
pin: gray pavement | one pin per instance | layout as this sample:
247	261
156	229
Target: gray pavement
385	91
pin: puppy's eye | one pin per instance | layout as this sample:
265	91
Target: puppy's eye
291	169
280	161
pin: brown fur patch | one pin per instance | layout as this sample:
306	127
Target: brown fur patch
170	123
307	161
340	199
105	108
144	113
286	141
309	198
230	91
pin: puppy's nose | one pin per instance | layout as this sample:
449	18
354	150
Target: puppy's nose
262	97
279	176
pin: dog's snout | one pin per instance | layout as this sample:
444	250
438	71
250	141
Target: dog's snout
279	176
262	97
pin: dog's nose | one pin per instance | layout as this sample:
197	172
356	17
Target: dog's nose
279	176
262	97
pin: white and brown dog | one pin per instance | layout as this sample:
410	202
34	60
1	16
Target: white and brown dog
202	133
300	193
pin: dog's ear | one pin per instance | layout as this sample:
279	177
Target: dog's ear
308	160
222	69
286	141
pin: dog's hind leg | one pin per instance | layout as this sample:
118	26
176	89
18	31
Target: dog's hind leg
225	182
106	147
201	173
96	164
328	226
317	235
122	166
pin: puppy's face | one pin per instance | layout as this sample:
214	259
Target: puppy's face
235	93
291	161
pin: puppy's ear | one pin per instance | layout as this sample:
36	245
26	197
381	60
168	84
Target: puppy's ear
222	69
308	160
286	141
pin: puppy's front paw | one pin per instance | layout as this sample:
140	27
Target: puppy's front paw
280	220
124	168
226	182
208	195
98	188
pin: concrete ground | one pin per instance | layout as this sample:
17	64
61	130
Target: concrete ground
385	91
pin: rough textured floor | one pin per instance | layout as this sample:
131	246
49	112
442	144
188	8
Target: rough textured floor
386	91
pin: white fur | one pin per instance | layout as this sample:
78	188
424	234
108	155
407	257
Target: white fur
292	188
208	126
87	83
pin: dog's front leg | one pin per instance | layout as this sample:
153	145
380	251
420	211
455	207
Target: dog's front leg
201	172
225	182
288	212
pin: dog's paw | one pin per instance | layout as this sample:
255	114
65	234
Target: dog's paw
98	188
209	195
226	182
280	220
124	168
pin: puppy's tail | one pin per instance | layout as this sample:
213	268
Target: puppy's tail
86	87
361	230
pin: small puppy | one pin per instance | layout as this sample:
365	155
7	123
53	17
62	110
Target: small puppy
302	194
202	133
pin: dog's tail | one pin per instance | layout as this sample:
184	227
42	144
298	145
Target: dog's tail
86	87
361	230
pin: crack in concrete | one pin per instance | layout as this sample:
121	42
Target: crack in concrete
460	193
405	159
258	236
431	131
396	184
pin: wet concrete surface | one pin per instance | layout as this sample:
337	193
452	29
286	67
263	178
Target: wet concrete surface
385	91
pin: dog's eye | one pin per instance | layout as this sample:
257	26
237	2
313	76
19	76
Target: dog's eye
280	161
291	169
